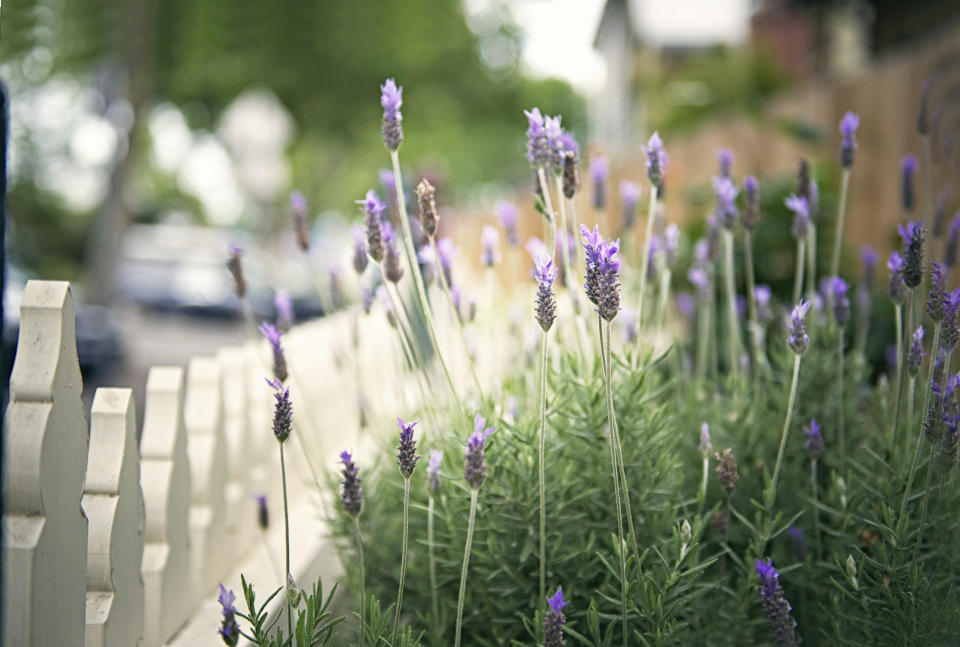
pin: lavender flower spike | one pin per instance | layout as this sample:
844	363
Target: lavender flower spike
908	167
782	625
235	266
897	290
284	305
938	293
427	201
372	208
841	304
351	494
490	241
751	210
814	438
475	468
546	303
602	272
801	215
706	447
433	469
392	268
656	159
913	235
391	98
282	410
798	338
229	629
725	157
599	170
507	214
916	354
279	359
538	149
727	472
359	250
726	193
298	210
629	195
848	128
407	449
553	623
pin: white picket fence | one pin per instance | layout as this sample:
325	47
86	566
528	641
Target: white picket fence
111	544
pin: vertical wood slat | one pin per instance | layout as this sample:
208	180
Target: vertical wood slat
45	462
114	505
169	593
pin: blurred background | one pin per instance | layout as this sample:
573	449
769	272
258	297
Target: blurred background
145	134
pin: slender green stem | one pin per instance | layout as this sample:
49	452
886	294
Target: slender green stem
403	555
456	315
816	510
898	331
811	262
838	233
286	537
841	436
562	226
466	562
616	495
417	277
733	332
902	368
702	493
923	504
902	517
551	224
403	316
786	429
543	425
363	608
645	254
798	271
665	275
753	324
911	392
434	600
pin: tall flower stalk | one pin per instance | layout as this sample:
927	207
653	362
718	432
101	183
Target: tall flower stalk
545	311
751	214
848	128
801	224
474	472
352	497
282	425
706	448
433	486
911	272
727	214
391	99
407	461
782	624
798	340
837	296
656	165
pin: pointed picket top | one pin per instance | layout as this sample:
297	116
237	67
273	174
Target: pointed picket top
114	506
44	466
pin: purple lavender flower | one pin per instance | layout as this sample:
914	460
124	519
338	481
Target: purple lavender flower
896	290
298	211
868	256
229	629
556	141
538	149
700	279
372	208
599	171
798	338
725	157
726	193
273	336
546	303
433	469
841	304
263	513
751	210
538	250
916	354
359	250
446	251
848	128
490	241
475	468
507	215
235	266
629	195
671	244
352	493
782	625
908	167
392	268
656	159
602	272
705	447
571	168
799	542
407	449
913	235
949	333
282	410
801	215
814	438
284	305
938	293
953	241
427	201
391	98
762	295
553	623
